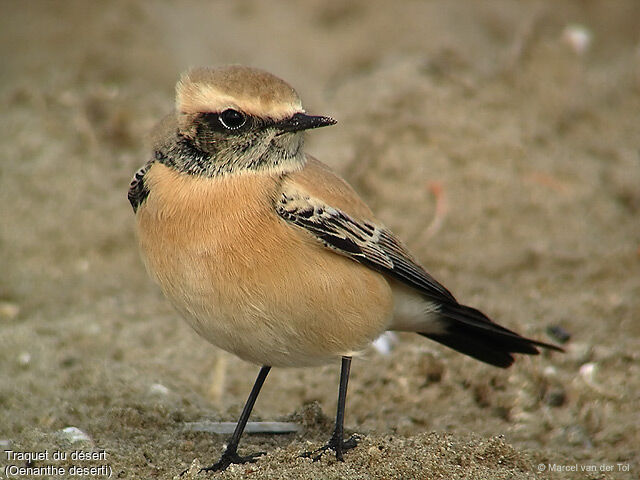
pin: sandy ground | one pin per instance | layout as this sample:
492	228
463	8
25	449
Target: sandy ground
527	140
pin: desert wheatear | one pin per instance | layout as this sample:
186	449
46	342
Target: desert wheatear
270	255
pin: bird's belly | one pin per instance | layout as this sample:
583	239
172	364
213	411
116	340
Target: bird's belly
282	304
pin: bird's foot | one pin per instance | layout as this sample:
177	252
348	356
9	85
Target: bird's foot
229	458
338	445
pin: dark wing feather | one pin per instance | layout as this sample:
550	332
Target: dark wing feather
369	244
465	329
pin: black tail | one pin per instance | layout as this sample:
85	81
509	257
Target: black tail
471	332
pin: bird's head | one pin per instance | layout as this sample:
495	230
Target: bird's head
240	119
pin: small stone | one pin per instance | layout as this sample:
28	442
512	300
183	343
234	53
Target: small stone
385	343
9	310
578	37
434	371
588	372
24	359
577	435
555	397
74	435
159	389
192	472
558	333
83	265
67	362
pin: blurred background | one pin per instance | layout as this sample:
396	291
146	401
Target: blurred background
513	126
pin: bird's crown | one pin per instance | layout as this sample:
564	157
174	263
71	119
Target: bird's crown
250	90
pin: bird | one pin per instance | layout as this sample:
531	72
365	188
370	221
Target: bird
270	255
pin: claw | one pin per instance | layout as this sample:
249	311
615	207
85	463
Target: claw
339	446
229	458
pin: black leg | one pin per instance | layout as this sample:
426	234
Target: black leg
230	454
336	442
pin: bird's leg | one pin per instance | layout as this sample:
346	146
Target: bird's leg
230	454
336	442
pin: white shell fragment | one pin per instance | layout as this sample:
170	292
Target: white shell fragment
578	37
74	435
159	390
587	372
385	343
24	359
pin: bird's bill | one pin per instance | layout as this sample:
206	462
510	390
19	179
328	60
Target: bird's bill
302	121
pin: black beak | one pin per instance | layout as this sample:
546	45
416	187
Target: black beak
302	121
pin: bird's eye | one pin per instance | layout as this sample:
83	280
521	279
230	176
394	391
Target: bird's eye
232	119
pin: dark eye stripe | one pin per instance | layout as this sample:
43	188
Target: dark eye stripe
212	122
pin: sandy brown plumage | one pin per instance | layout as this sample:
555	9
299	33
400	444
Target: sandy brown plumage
246	280
251	90
269	254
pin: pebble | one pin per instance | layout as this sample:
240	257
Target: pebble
555	397
9	310
588	372
385	343
577	435
434	371
558	333
578	37
159	389
24	359
74	435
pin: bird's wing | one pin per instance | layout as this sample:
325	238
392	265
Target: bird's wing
321	203
326	207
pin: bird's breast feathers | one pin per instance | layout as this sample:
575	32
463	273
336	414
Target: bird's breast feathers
249	281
